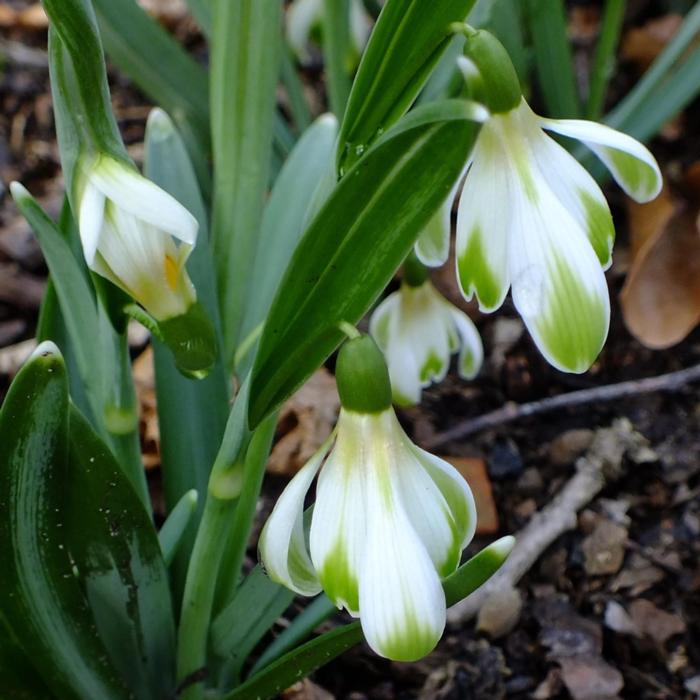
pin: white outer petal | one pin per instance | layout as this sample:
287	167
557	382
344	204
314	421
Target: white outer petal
433	244
544	234
601	139
142	198
571	184
402	603
282	538
472	349
482	223
91	221
379	322
338	525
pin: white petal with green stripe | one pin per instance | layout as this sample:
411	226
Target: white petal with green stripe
338	525
282	544
401	599
632	165
572	185
558	285
482	223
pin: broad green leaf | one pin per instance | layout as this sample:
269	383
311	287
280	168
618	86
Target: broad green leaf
42	601
18	678
113	546
141	48
245	59
284	217
351	250
406	44
553	57
238	628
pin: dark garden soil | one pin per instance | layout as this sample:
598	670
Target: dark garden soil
612	607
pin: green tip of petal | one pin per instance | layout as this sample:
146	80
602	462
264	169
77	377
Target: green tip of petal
432	367
572	331
338	580
599	225
475	275
639	179
410	643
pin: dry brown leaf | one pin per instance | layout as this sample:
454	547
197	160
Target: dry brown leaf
642	45
604	549
475	472
306	420
144	382
33	18
655	623
8	17
661	297
306	690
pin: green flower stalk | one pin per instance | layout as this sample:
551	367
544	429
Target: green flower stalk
390	520
531	218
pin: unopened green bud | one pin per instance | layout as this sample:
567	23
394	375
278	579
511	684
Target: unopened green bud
414	272
501	86
362	376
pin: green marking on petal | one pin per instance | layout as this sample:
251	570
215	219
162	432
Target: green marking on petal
475	273
338	580
467	365
412	641
401	400
432	367
637	176
574	327
599	226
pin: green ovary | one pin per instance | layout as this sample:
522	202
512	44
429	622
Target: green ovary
338	580
475	273
574	327
599	226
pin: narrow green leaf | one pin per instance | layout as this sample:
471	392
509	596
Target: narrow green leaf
336	42
301	114
19	680
238	628
553	57
406	44
284	217
174	528
141	48
201	9
604	61
191	414
297	664
42	600
112	544
318	611
350	251
244	63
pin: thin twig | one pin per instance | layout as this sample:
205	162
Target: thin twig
512	411
602	464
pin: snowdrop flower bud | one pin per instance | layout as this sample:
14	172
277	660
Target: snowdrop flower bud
390	519
137	236
530	216
418	330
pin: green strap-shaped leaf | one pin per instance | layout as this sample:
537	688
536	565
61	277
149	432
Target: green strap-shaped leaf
283	220
163	70
238	628
114	547
407	42
350	251
191	414
40	598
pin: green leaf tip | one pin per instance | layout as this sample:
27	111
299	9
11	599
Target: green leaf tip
19	191
159	126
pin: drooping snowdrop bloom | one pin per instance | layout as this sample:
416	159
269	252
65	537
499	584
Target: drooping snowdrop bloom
530	216
389	520
137	236
418	330
304	19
